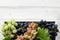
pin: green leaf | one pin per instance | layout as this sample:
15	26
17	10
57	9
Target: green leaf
7	38
43	34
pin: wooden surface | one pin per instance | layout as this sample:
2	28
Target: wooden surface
30	10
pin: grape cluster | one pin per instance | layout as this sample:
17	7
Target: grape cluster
9	29
21	28
52	27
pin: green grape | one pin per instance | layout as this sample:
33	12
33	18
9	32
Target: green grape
3	33
6	28
8	32
3	30
12	27
4	25
14	31
15	24
11	35
9	24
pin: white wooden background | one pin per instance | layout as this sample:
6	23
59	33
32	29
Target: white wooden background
30	10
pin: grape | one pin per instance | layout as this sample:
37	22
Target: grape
23	31
21	24
15	24
19	31
49	27
11	35
12	27
3	30
3	33
53	33
14	31
25	25
9	24
55	26
6	27
8	32
48	24
41	21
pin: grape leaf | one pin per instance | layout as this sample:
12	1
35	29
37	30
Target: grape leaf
43	34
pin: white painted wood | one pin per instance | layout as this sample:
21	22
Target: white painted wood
28	10
23	2
48	3
29	13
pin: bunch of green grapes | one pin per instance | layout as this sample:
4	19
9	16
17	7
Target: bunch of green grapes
9	28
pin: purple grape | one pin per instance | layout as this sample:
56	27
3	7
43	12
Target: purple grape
25	25
21	24
55	26
19	32
18	24
48	24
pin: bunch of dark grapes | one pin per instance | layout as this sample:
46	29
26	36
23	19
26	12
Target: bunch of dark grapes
22	27
52	27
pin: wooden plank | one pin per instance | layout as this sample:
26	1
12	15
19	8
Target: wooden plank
14	3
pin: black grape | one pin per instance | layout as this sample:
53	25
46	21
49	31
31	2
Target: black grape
25	25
